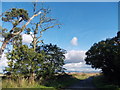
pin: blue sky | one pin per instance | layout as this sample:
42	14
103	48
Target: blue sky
83	24
60	0
89	22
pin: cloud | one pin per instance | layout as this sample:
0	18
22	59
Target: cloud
27	38
3	62
75	56
79	67
74	41
1	37
75	62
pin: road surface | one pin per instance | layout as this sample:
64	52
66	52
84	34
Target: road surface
86	84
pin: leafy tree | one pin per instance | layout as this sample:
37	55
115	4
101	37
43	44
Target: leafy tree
11	56
53	61
105	55
43	63
24	62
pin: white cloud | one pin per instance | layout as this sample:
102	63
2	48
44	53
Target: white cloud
1	37
75	56
3	62
75	62
27	38
79	67
74	41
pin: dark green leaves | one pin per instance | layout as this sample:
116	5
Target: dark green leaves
105	55
15	13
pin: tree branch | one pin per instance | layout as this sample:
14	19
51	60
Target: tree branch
40	41
23	27
4	12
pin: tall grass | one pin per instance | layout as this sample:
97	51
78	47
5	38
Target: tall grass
21	83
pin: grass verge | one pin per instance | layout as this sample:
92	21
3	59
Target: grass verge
54	83
57	82
23	83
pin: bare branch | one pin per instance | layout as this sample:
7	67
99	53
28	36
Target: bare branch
49	27
39	37
24	26
31	35
41	41
45	30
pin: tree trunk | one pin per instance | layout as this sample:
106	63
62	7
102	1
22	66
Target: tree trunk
32	78
4	46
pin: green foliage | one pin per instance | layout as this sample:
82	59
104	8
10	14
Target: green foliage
61	81
53	60
14	16
23	61
103	84
15	13
105	55
42	64
30	62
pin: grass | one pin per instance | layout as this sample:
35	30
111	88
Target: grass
66	80
59	81
62	81
103	84
53	83
23	83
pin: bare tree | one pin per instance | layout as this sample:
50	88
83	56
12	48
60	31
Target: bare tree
16	16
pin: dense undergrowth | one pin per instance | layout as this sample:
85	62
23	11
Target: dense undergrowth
103	83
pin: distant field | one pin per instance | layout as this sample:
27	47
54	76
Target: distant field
83	73
1	75
79	74
82	76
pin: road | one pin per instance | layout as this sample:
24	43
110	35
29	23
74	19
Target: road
86	84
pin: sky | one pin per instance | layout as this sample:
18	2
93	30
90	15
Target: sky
60	0
83	24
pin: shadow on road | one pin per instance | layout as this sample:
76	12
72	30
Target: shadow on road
86	84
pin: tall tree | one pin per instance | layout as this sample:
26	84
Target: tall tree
105	55
23	61
53	61
23	56
44	63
